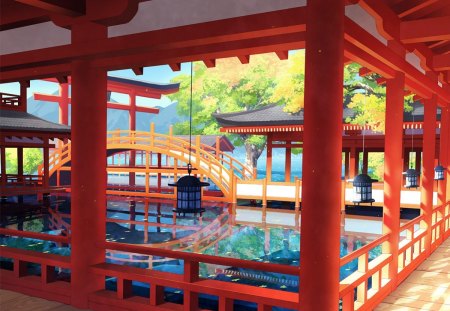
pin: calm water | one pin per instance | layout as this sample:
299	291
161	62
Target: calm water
215	233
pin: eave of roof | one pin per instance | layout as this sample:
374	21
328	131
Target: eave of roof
20	121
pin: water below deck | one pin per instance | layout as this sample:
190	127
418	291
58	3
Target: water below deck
427	288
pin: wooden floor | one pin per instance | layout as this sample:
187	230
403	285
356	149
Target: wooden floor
427	288
12	301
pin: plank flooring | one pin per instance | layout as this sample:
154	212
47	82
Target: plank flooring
427	288
12	301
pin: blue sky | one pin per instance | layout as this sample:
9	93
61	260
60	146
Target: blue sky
156	74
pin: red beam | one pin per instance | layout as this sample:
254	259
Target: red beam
210	63
290	41
257	26
138	70
127	107
425	30
368	43
388	23
67	7
406	8
244	59
441	62
15	15
283	55
175	66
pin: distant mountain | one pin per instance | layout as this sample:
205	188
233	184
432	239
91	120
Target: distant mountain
116	119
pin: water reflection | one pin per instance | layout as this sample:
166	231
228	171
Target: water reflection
273	237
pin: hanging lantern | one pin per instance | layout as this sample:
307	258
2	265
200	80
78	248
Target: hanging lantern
189	195
362	189
189	188
412	178
439	172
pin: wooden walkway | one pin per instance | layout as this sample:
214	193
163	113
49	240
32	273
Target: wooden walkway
12	301
427	288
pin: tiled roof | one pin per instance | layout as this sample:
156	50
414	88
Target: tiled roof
269	115
12	120
273	115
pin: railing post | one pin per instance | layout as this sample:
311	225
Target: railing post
124	288
20	268
225	304
429	143
191	270
47	274
152	134
156	294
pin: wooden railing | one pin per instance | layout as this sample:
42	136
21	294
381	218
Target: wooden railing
24	180
354	289
46	285
218	166
189	282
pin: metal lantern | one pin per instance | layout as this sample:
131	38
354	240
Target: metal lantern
189	195
439	172
412	178
362	189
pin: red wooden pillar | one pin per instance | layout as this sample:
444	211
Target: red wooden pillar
24	85
321	187
3	164
269	158
346	164
419	160
63	107
429	148
353	164
132	126
443	153
393	168
288	163
88	168
46	151
20	163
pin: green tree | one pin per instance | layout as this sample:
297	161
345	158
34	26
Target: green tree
229	87
32	158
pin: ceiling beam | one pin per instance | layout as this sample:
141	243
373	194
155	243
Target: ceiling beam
15	15
425	30
244	59
409	7
138	71
441	62
175	66
66	7
258	26
361	38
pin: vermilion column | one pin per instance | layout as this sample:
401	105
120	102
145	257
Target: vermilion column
443	154
20	163
64	104
393	164
88	168
3	164
321	187
24	85
132	126
429	147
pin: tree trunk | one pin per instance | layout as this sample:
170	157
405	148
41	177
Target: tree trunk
252	154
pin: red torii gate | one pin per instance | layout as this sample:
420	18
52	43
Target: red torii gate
130	87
